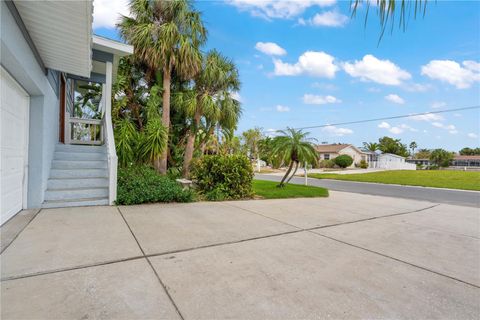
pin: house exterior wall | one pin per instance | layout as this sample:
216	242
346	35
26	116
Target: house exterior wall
19	60
350	151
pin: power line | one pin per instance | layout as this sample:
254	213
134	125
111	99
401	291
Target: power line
380	119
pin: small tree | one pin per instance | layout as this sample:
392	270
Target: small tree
441	157
343	161
371	146
413	145
294	147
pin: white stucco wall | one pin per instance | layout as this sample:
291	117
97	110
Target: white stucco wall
356	156
18	59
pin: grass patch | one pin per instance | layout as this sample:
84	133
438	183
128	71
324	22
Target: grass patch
463	180
269	190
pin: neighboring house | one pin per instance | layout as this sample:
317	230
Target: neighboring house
392	162
56	143
466	161
331	151
472	162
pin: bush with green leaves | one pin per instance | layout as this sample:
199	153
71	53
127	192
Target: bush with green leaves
326	164
143	184
363	164
343	161
223	177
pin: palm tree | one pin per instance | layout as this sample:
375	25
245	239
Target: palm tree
413	145
252	139
387	9
211	98
166	35
294	146
371	146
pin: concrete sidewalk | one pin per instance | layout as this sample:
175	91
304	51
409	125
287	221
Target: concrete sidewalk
346	256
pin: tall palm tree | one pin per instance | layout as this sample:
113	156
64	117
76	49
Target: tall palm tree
166	35
294	146
413	145
210	98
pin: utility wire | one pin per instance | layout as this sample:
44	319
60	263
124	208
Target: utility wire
380	119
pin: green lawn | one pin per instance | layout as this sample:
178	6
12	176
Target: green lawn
425	178
269	190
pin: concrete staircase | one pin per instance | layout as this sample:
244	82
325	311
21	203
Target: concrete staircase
78	177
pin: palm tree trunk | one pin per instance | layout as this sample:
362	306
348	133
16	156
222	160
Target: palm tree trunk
295	171
187	158
165	117
286	175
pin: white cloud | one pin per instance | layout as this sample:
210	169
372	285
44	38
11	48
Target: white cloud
396	129
281	108
453	73
380	71
270	48
438	104
314	63
395	98
326	19
384	125
472	135
106	13
274	9
314	99
429	117
339	132
449	127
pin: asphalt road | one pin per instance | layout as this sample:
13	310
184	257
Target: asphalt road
448	196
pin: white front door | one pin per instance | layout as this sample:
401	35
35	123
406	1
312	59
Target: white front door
14	112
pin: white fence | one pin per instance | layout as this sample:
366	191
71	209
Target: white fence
392	165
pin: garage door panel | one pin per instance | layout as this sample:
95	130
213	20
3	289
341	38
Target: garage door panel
13	145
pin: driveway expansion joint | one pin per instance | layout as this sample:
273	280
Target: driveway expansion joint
396	259
151	266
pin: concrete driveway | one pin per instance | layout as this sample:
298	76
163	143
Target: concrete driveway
347	256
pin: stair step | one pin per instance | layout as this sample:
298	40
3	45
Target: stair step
78	173
63	155
76	203
80	148
79	164
79	193
55	184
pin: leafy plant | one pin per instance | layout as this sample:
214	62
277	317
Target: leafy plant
363	164
326	164
441	157
343	161
221	177
293	147
126	136
143	184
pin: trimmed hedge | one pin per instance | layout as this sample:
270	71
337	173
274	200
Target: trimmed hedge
223	177
143	184
343	161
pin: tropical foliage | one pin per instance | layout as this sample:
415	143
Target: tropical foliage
171	103
294	147
343	161
441	157
223	177
470	152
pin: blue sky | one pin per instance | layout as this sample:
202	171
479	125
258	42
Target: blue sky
306	63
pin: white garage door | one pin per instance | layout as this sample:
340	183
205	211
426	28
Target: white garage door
14	107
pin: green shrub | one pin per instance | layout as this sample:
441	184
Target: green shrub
326	164
142	184
343	161
363	164
222	177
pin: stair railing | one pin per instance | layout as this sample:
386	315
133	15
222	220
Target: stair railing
108	133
